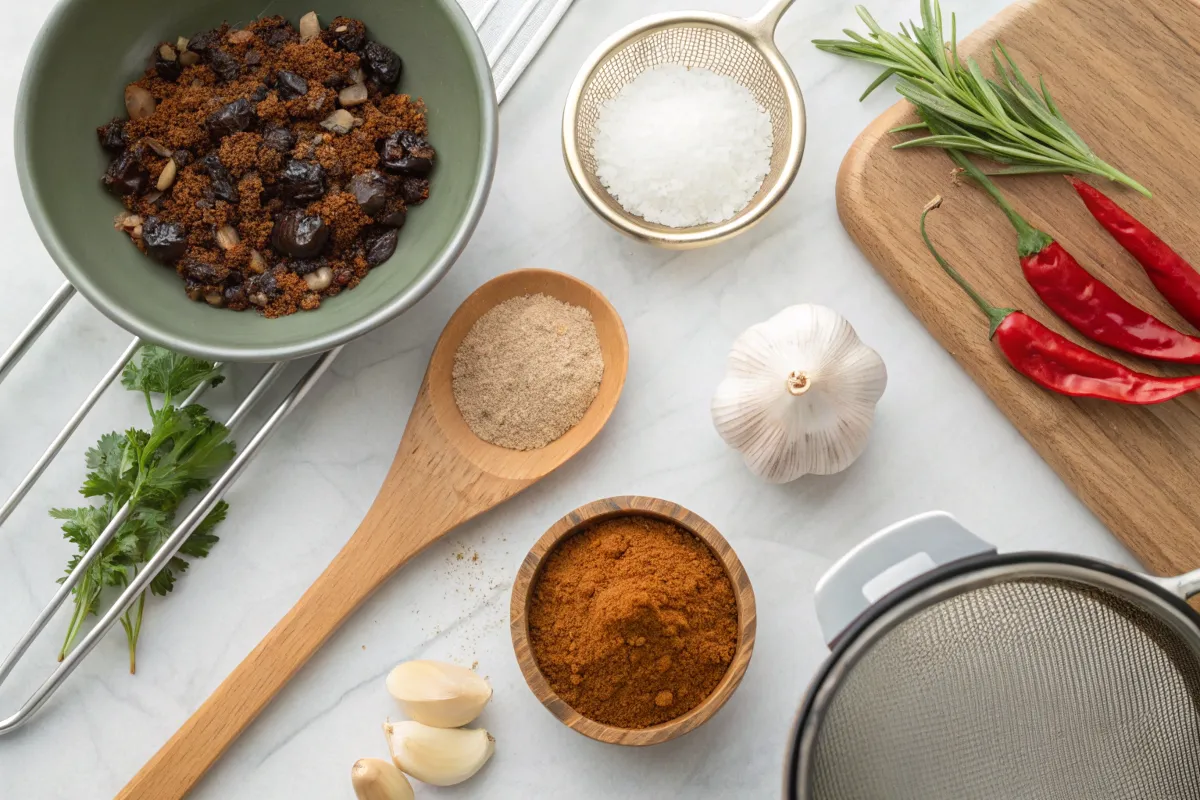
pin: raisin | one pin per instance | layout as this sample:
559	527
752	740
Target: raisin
223	186
167	68
165	241
382	63
370	189
298	234
290	85
231	118
126	175
302	181
199	272
379	244
280	139
414	191
394	214
345	33
405	153
224	65
204	41
113	136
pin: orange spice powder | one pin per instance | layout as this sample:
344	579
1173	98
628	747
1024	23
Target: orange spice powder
633	621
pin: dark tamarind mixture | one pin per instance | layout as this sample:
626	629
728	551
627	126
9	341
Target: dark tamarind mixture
270	167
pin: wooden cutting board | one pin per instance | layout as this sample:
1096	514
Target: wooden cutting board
1126	74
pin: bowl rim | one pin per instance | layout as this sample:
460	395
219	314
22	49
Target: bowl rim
195	346
574	522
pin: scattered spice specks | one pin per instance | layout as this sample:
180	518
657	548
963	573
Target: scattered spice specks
473	614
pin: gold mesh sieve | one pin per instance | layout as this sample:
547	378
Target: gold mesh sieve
742	49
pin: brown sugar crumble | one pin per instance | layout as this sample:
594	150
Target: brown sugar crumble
270	169
633	621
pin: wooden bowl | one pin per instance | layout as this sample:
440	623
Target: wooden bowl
599	511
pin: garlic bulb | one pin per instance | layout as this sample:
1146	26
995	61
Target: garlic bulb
376	779
440	756
437	694
799	396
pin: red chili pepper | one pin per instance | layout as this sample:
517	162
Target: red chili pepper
1084	302
1056	363
1175	278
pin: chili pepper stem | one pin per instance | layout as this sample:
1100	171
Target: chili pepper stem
1029	239
994	314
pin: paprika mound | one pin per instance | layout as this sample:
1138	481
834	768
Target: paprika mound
633	621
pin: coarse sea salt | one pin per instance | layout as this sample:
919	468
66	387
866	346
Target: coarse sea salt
682	147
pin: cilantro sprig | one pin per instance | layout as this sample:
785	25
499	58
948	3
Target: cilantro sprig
154	472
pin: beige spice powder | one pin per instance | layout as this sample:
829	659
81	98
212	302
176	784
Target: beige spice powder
527	371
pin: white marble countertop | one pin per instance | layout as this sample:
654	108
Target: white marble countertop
938	443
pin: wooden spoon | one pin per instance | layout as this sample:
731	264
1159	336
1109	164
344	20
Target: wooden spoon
443	475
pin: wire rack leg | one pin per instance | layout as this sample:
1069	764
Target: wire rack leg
34	329
76	575
27	482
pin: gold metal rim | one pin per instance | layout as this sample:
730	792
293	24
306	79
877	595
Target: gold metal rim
758	36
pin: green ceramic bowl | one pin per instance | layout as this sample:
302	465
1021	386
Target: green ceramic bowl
74	81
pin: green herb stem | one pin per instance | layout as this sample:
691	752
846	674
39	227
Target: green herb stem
153	472
1008	118
78	614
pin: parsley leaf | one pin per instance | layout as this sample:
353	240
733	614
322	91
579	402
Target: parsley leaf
154	471
111	465
165	372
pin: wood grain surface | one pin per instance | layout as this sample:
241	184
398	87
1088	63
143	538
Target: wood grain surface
442	476
1127	76
591	514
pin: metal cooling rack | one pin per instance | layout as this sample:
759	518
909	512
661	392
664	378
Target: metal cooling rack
512	31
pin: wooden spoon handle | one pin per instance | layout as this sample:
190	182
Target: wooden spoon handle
430	489
352	576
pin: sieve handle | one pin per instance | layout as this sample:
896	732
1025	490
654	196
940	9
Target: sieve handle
888	560
1185	586
767	20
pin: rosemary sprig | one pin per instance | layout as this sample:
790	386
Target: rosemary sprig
1008	120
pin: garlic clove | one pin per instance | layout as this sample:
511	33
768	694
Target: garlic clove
376	779
439	756
799	396
438	694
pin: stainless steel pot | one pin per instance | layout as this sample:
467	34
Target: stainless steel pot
958	673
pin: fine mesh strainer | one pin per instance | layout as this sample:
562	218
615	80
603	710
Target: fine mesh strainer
742	49
960	674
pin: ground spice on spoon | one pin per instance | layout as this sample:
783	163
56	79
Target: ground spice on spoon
633	621
527	371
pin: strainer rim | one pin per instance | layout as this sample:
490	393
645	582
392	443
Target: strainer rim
764	43
985	561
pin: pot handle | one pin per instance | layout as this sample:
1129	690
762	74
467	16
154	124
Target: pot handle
887	560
